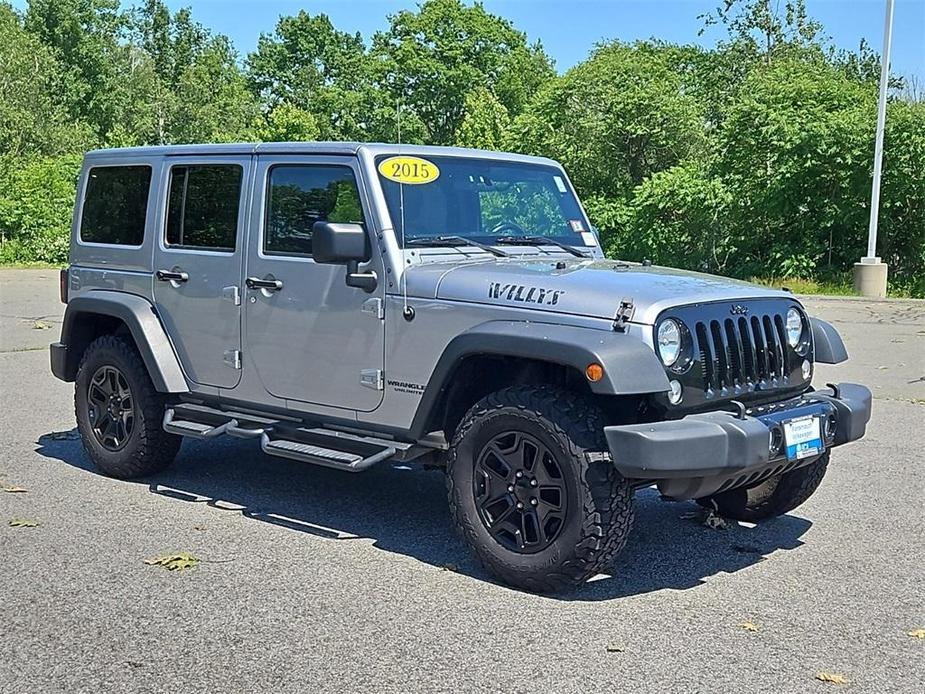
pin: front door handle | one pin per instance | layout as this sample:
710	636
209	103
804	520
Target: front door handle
257	283
171	276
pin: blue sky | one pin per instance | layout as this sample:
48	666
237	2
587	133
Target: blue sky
569	28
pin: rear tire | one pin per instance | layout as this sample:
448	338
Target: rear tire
773	497
119	412
546	445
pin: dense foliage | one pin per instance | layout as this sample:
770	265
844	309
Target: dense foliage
751	158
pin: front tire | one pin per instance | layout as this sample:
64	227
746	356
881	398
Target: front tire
533	490
119	412
771	498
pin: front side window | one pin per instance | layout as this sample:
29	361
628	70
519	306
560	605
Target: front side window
115	205
300	195
484	200
202	206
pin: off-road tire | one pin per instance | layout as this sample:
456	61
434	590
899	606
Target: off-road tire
773	497
148	449
599	514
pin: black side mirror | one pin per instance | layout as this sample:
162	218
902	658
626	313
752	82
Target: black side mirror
344	244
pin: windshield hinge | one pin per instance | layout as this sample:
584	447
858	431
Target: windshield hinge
374	307
624	314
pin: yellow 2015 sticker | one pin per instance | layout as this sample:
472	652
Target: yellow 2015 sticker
412	170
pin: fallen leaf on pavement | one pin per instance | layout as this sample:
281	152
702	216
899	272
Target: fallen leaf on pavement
15	490
750	626
23	523
916	633
715	521
40	325
616	648
832	677
174	562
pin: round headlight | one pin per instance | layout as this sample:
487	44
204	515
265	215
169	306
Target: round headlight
794	327
669	341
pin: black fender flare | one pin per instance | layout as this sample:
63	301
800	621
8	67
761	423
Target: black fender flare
138	315
630	366
828	347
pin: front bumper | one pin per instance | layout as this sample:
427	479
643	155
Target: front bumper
699	454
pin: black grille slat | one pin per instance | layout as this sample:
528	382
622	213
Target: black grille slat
782	340
721	352
736	351
774	354
703	348
748	351
760	351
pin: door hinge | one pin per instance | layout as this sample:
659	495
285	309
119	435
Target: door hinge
232	358
374	307
232	294
372	378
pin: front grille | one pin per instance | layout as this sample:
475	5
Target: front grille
742	354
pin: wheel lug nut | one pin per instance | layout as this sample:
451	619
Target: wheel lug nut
533	483
533	502
510	487
520	505
519	474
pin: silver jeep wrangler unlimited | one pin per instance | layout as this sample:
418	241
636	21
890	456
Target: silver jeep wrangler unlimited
348	304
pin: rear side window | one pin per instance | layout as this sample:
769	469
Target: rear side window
202	206
115	205
299	196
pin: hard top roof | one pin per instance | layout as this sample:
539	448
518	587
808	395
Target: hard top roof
330	148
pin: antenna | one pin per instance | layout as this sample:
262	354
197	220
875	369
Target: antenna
406	311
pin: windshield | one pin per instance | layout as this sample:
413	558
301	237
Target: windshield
480	199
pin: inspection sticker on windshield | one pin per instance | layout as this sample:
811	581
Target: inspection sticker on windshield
411	170
588	238
560	184
802	437
577	225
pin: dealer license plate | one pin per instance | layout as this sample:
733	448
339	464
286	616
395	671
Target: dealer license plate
802	438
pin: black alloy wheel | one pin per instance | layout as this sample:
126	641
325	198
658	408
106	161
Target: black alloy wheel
520	492
110	408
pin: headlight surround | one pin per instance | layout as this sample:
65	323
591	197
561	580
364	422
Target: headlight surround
794	326
668	341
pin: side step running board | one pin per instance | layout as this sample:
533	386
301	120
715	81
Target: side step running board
311	447
335	449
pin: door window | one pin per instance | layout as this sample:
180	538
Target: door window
299	196
202	206
115	205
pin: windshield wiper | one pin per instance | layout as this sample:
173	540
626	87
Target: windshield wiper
455	241
541	241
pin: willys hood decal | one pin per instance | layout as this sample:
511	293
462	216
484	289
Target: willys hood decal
582	287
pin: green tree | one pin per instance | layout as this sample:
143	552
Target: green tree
613	120
485	121
430	59
311	65
288	123
213	101
33	120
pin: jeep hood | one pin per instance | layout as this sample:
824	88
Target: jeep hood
582	287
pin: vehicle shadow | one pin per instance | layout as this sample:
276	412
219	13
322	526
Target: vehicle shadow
403	509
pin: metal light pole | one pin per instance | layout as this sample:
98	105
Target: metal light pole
870	274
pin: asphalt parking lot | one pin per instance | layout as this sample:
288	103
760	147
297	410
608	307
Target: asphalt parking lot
314	580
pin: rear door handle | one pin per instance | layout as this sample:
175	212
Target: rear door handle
257	283
171	276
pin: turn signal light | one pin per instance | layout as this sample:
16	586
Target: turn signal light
594	372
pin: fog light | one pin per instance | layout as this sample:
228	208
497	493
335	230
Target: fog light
675	394
807	369
777	441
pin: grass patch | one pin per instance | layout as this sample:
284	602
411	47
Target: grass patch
842	286
29	266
